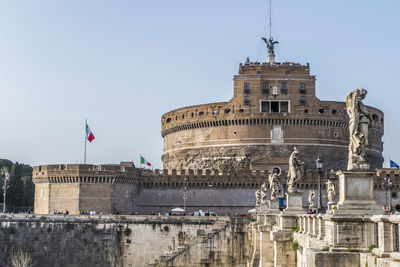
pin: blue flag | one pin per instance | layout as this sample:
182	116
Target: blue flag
394	164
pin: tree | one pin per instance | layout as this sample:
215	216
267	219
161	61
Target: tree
21	189
20	258
29	191
15	191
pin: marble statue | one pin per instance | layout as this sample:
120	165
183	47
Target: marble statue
258	197
359	125
273	184
311	198
330	188
264	196
295	169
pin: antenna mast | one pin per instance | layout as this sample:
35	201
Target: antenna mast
270	41
270	18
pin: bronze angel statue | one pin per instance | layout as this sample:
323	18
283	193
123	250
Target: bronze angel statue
270	45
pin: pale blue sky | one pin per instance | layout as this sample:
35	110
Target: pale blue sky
122	64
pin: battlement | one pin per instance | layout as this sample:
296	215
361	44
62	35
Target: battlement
122	167
249	179
125	172
275	68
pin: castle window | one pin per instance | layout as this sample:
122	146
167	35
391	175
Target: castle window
287	72
302	88
284	88
227	110
265	106
302	100
306	111
192	114
241	110
201	113
246	88
284	106
183	116
334	112
321	111
246	100
265	88
214	112
168	120
274	106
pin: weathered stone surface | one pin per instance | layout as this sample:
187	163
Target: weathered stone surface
332	259
356	193
124	240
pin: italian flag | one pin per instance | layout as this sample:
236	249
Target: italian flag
89	134
144	162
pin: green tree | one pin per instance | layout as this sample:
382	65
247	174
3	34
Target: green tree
6	163
29	191
15	191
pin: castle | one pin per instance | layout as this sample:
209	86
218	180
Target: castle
216	155
274	108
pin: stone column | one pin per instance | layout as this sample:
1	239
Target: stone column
266	244
385	236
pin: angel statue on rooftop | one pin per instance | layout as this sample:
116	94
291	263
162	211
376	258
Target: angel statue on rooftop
359	125
270	45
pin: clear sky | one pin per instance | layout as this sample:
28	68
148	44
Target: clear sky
122	64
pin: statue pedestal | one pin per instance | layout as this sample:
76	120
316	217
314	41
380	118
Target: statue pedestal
356	194
271	59
263	208
294	203
273	206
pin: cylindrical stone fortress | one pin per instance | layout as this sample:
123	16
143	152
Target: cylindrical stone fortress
274	109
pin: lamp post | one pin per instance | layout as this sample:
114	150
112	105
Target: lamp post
6	177
185	193
319	165
387	185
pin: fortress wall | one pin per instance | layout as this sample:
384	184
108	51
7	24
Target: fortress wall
42	198
96	197
75	241
230	193
64	197
124	198
222	201
156	191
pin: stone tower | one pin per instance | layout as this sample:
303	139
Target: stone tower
274	108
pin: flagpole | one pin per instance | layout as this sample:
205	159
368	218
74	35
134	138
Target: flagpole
84	157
